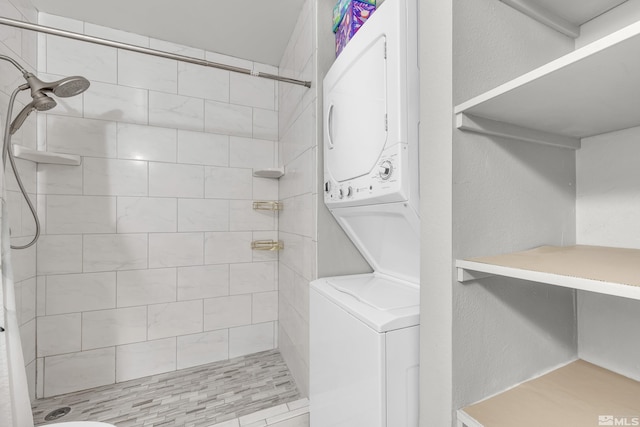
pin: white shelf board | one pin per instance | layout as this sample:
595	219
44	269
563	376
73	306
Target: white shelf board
25	153
471	270
592	90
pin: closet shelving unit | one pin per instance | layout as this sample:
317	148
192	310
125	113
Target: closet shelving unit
590	91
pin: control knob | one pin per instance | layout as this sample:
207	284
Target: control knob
385	169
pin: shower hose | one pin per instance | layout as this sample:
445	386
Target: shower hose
6	150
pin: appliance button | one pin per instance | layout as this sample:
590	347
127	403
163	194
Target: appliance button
385	170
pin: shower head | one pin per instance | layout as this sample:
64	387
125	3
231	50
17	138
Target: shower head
64	88
41	102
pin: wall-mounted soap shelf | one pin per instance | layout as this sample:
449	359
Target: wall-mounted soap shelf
267	245
25	153
267	205
273	173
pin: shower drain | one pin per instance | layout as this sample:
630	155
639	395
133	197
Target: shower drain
57	413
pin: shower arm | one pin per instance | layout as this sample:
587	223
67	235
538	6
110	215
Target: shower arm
147	51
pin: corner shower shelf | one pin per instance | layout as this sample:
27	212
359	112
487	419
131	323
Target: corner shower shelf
267	205
605	270
273	173
577	394
267	245
25	153
592	90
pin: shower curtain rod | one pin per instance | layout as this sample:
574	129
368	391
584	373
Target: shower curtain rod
145	50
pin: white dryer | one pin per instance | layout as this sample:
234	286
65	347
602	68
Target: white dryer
364	328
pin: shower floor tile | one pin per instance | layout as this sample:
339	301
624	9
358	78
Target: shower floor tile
200	396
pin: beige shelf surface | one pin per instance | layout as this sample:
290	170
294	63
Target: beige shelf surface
606	270
575	395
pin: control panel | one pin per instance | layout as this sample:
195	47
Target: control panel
385	183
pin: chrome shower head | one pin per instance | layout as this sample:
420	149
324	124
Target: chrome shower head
70	86
41	102
64	88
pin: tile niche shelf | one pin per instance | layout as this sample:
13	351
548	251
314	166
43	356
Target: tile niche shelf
576	395
25	153
605	270
590	91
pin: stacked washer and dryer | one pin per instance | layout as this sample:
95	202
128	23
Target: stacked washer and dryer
364	328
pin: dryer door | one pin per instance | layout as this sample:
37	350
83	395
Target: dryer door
355	116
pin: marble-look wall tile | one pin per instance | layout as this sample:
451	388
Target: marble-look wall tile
111	252
59	179
227	247
176	318
84	137
28	341
206	281
146	358
74	293
175	180
265	124
265	307
198	349
251	339
244	218
251	153
106	328
144	287
220	117
116	103
203	82
226	312
253	92
52	342
147	72
252	277
146	215
80	214
202	148
72	57
59	254
152	143
181	112
79	371
227	183
175	249
203	215
110	177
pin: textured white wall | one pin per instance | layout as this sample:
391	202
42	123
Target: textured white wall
607	212
507	196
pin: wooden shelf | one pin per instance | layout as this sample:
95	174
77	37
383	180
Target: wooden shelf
575	395
605	270
25	153
592	90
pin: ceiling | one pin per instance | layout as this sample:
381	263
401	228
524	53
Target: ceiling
255	30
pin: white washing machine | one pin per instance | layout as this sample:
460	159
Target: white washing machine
364	328
364	353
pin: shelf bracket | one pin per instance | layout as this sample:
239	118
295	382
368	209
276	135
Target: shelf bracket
545	17
267	245
267	205
465	275
470	123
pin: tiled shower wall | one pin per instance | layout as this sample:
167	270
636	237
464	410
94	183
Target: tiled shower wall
297	222
145	263
21	45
